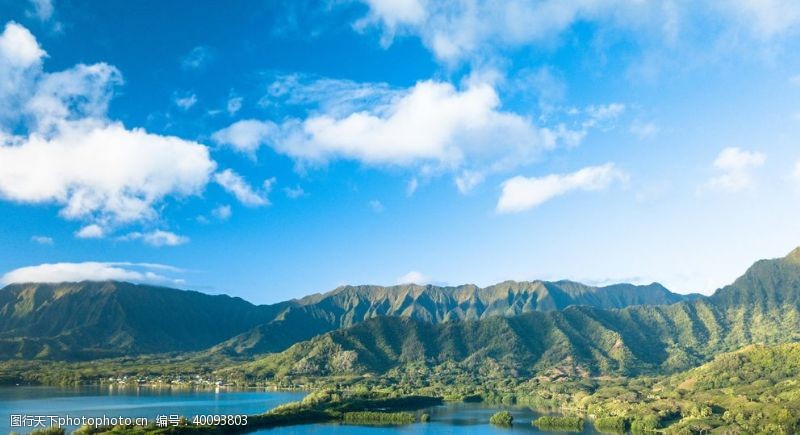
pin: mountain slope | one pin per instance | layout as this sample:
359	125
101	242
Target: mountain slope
761	306
96	319
350	305
93	319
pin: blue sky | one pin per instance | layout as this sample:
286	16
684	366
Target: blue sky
275	149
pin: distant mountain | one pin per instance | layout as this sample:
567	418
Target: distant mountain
350	305
98	319
763	306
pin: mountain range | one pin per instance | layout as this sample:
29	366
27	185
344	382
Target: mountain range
762	306
89	320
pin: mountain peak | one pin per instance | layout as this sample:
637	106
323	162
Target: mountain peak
794	256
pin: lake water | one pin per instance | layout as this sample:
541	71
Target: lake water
456	419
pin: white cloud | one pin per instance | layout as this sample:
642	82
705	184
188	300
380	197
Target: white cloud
42	9
294	192
42	240
335	97
65	151
413	277
797	171
245	136
222	212
735	167
186	102
18	47
605	111
431	123
468	180
476	30
197	58
411	186
91	231
376	206
644	130
156	238
268	184
522	193
102	171
234	184
234	105
20	61
91	271
764	18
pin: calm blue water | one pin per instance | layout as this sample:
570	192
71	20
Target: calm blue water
456	419
453	419
132	402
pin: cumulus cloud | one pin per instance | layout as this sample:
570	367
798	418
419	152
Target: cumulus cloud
735	169
102	171
245	135
58	147
523	193
92	271
432	123
413	277
236	185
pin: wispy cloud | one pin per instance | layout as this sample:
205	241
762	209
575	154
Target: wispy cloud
186	101
223	212
42	240
462	30
156	238
523	193
294	192
735	169
42	9
197	58
236	185
376	206
413	277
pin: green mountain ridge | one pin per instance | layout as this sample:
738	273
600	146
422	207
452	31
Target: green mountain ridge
762	306
89	320
350	305
97	319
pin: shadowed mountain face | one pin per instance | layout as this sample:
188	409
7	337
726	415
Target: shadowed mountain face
96	319
763	306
